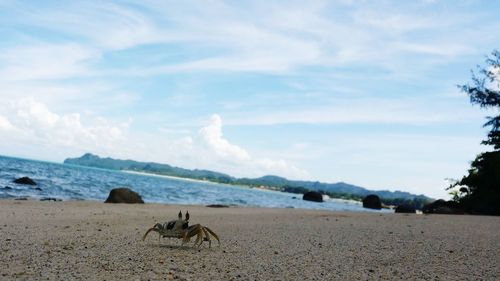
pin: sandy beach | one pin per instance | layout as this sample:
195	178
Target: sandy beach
83	240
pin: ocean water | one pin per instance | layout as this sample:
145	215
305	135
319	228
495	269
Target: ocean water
70	182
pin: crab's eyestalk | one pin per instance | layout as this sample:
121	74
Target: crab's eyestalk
180	215
187	215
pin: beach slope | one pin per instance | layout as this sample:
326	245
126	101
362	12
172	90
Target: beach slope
96	241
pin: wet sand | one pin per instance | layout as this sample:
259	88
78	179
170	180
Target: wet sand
84	240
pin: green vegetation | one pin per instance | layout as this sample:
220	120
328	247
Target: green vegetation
334	190
479	191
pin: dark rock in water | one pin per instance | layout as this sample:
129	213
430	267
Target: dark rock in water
21	198
443	207
405	209
217	206
25	180
7	187
294	197
313	196
37	188
50	199
372	201
123	195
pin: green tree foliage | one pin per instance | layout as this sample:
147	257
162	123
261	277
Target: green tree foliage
480	189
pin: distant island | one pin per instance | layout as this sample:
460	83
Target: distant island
334	190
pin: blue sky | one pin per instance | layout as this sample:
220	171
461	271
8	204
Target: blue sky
357	91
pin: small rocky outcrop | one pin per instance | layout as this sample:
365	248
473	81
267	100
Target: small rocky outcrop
443	207
405	209
50	199
429	208
123	195
313	196
25	180
217	206
372	201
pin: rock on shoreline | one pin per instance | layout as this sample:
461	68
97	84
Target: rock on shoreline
124	195
25	180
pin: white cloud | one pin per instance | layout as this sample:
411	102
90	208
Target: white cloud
46	61
34	123
282	40
408	111
27	124
255	37
212	136
5	124
495	70
225	156
103	25
442	49
281	167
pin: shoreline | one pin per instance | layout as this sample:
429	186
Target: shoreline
93	240
256	188
43	199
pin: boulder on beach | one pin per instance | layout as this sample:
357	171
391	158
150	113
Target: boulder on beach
217	206
405	209
50	199
25	180
123	195
441	206
372	201
313	196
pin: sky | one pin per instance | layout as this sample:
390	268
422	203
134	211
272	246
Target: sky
363	92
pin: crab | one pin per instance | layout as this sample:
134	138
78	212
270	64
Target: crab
181	229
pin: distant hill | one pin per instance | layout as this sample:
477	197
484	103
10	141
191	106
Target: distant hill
92	160
338	190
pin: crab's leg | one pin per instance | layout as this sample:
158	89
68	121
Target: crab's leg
147	232
199	236
207	236
213	234
185	238
190	232
188	237
195	230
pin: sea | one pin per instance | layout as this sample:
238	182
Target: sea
70	182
